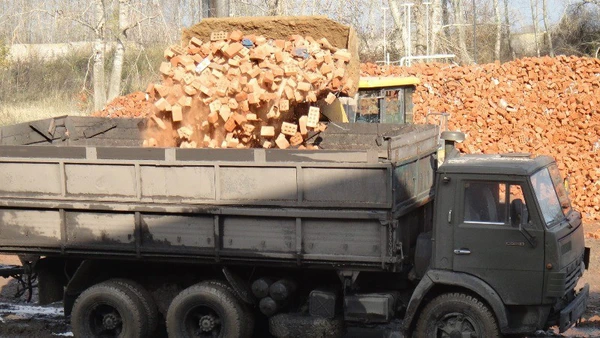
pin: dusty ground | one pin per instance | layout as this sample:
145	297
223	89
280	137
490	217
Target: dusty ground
20	319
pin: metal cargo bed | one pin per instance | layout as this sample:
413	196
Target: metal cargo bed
65	195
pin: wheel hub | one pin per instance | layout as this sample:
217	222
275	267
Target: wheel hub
110	321
456	325
207	323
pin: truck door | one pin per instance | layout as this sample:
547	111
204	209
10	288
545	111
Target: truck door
495	240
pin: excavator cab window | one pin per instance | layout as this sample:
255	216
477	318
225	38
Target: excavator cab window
385	105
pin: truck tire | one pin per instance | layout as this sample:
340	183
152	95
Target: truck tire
298	325
248	314
108	310
150	308
208	310
456	315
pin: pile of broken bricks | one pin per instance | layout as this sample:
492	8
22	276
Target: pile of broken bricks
542	106
238	91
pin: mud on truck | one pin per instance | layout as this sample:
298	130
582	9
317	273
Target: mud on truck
368	235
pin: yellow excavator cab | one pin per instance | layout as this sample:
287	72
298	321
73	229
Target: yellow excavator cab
378	100
366	83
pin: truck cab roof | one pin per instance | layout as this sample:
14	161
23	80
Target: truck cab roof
509	164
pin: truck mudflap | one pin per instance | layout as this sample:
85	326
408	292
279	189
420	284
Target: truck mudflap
573	312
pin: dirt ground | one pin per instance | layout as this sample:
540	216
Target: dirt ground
21	319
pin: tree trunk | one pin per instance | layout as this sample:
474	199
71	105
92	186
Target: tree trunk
99	49
446	18
421	17
507	28
460	27
436	24
395	13
548	32
275	7
116	74
534	18
498	30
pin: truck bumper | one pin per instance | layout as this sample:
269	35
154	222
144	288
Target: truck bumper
573	312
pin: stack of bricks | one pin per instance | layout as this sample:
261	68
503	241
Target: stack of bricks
535	105
238	91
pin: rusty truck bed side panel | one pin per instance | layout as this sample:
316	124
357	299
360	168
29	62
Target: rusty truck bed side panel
324	207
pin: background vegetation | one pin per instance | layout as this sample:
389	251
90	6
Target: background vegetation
63	57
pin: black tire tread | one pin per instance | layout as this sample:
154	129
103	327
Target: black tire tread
491	329
134	307
215	294
248	314
144	296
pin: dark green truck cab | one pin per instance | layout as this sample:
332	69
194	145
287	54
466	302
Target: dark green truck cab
504	231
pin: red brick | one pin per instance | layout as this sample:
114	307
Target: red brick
267	131
282	142
233	49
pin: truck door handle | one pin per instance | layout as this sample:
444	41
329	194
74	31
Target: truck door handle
462	251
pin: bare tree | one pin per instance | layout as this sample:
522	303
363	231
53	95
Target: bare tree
507	30
459	22
534	18
125	24
421	16
275	7
498	17
548	31
99	26
437	23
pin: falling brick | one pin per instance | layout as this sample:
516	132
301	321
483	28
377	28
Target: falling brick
202	65
216	36
166	68
296	139
196	42
224	112
314	114
267	131
289	128
230	124
236	35
177	113
282	142
330	98
185	132
161	104
284	105
159	123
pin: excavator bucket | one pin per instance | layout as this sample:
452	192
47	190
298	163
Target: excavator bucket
282	27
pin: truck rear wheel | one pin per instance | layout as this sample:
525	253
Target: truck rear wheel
456	315
248	315
150	308
205	310
108	310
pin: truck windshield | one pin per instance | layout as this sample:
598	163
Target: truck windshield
551	195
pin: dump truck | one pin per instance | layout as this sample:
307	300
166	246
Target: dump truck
367	235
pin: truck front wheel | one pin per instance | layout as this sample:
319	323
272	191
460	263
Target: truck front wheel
456	315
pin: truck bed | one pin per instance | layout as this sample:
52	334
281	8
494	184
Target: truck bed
78	197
